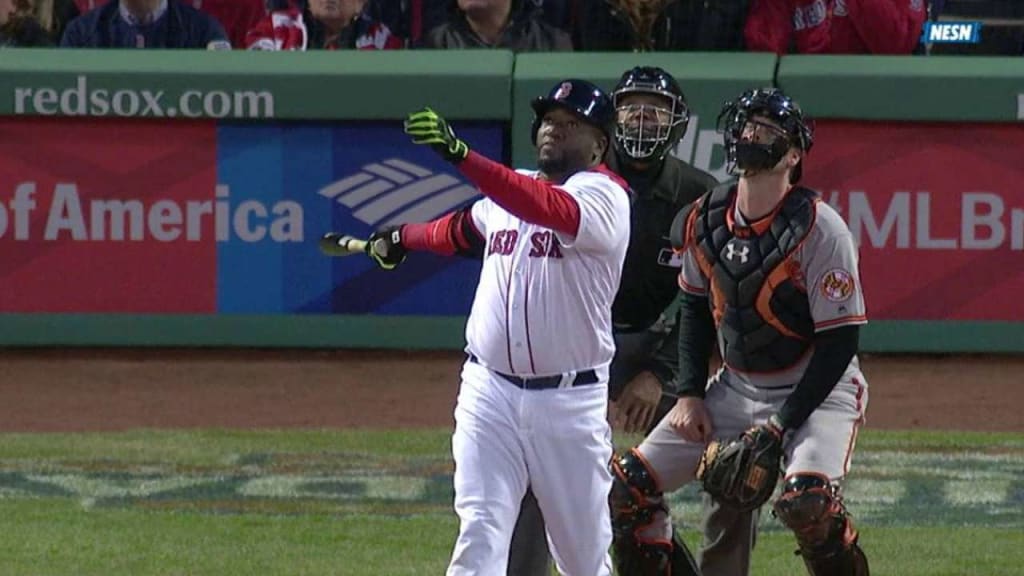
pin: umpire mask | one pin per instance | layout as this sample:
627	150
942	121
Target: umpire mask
651	113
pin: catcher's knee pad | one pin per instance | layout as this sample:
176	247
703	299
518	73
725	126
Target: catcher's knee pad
812	508
635	502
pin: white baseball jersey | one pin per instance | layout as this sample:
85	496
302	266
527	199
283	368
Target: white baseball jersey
544	302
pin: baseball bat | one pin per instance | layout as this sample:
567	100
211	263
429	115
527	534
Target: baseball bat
337	244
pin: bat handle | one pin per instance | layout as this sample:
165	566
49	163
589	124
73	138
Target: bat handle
335	244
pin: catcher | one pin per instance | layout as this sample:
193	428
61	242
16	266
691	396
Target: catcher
773	271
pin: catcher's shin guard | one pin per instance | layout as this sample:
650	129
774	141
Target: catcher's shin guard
635	501
811	507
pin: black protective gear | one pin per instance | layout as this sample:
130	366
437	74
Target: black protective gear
812	508
761	311
580	97
774	105
636	138
635	500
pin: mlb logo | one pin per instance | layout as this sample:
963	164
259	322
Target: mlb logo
951	32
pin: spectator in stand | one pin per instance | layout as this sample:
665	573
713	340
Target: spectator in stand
516	25
835	26
321	25
19	27
44	12
236	16
64	11
411	19
145	24
659	25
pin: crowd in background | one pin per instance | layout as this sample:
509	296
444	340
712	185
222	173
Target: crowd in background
780	26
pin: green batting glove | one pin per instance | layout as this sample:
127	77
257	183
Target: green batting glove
427	127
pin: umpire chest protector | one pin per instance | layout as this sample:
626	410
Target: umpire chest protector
758	296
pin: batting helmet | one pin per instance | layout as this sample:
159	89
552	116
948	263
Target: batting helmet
636	138
773	104
580	97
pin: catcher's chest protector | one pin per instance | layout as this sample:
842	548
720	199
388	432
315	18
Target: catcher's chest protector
761	307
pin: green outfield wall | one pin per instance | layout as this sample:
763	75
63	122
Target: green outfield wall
495	86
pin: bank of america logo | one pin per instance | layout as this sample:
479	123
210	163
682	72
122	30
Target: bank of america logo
395	191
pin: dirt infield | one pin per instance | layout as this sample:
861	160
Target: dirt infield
88	389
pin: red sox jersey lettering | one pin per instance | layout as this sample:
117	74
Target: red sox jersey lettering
502	242
543	244
534	278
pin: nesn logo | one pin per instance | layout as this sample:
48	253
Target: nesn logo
952	32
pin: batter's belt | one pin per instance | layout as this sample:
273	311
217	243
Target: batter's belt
583	378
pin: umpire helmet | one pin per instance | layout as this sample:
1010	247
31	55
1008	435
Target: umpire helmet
580	97
637	138
773	104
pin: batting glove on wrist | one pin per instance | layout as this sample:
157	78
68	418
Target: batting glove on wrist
427	127
385	247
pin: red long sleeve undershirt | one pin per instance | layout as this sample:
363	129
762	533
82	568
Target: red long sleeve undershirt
535	201
437	236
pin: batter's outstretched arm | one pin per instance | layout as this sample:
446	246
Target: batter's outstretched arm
452	234
696	338
535	201
833	351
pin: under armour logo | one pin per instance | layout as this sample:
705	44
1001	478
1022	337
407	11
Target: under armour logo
731	252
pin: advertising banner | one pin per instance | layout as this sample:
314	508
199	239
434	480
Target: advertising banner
353	179
107	216
938	211
135	216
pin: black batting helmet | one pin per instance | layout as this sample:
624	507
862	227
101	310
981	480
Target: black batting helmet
633	137
775	105
580	97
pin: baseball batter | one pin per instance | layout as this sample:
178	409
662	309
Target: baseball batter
774	270
533	402
652	116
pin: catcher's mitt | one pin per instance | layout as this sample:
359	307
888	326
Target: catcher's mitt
742	473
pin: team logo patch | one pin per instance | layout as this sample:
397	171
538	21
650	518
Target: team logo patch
563	91
743	252
837	285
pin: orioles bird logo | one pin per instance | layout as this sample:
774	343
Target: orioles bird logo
837	285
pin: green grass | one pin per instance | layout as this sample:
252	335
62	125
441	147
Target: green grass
51	537
216	447
60	537
353	503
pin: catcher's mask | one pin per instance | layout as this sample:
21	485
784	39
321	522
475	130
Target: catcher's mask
759	128
580	97
647	131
